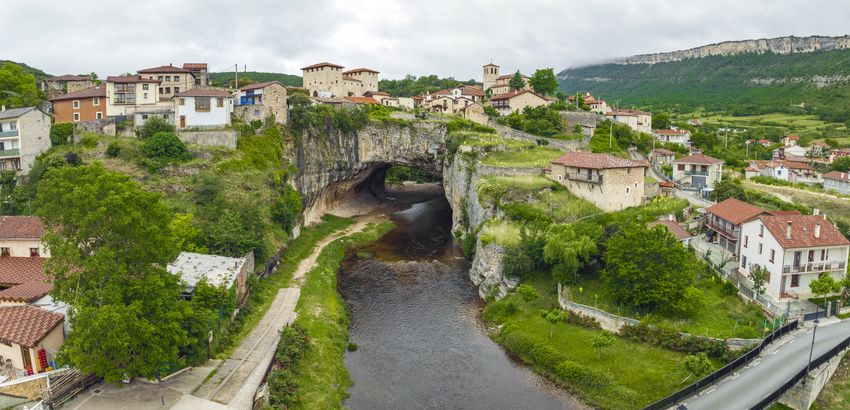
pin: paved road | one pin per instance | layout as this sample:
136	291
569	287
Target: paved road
766	373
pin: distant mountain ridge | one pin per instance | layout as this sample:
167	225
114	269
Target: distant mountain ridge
777	45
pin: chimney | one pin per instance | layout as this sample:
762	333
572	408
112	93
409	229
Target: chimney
816	212
788	231
817	229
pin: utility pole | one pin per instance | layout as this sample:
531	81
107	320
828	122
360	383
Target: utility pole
236	75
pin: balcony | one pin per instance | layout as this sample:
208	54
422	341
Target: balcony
729	233
702	173
824	266
585	178
10	153
6	134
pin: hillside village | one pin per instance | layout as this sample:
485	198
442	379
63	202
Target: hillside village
774	254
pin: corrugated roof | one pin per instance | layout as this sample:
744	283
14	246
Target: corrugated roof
27	325
597	161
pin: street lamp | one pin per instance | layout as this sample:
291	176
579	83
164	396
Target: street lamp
814	332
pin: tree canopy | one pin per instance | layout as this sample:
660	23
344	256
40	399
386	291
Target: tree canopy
17	87
109	241
841	164
412	85
517	82
543	81
728	188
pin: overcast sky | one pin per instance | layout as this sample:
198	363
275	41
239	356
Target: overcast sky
444	37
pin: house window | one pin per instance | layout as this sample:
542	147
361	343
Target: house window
760	248
681	167
144	86
202	103
4	252
76	104
168	78
824	254
761	231
743	261
219	102
627	190
176	90
76	116
181	101
159	77
168	90
144	96
772	255
98	115
176	78
34	252
795	281
95	101
161	90
746	241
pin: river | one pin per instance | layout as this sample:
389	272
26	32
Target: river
415	318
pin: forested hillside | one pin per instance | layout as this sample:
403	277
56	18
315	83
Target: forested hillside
412	85
38	74
224	79
744	84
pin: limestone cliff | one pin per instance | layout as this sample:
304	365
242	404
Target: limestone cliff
778	45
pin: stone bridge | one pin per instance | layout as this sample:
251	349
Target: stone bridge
333	164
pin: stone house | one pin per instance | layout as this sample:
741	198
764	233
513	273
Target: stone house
503	84
199	71
474	112
491	73
258	101
231	273
360	80
790	140
516	101
28	334
723	222
698	171
127	94
673	136
203	108
64	84
173	80
837	181
795	249
640	121
84	105
611	183
661	156
24	135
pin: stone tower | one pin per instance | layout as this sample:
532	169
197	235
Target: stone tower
491	73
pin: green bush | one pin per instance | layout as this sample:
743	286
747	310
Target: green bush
153	126
165	146
61	133
89	140
673	340
527	293
566	316
293	343
113	149
286	209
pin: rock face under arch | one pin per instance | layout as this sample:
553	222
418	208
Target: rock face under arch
333	165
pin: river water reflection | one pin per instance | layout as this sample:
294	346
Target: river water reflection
414	317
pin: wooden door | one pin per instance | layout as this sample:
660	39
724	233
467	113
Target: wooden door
25	354
182	121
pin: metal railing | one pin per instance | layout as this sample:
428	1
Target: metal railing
814	267
702	173
597	179
820	360
712	378
10	153
11	133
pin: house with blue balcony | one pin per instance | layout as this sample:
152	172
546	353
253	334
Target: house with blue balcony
24	135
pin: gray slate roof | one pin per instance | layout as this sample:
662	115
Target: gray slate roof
14	112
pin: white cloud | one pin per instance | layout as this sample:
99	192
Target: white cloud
397	37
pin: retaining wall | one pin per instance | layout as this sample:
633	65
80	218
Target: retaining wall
209	138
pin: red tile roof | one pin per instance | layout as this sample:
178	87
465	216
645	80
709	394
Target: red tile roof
841	176
735	211
792	137
472	90
258	86
512	94
506	76
165	69
200	92
17	270
325	64
360	70
674	228
190	66
348	78
21	227
663	151
130	79
671	132
362	100
596	161
803	231
701	159
26	292
27	325
91	92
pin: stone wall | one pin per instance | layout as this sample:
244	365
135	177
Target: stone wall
562	145
209	138
104	126
805	392
588	121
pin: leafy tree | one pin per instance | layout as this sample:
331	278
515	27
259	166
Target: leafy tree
286	209
647	268
17	87
165	146
230	235
759	276
841	164
728	188
660	121
569	249
543	81
412	85
824	285
153	126
185	233
527	292
61	133
517	82
109	240
602	341
698	364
